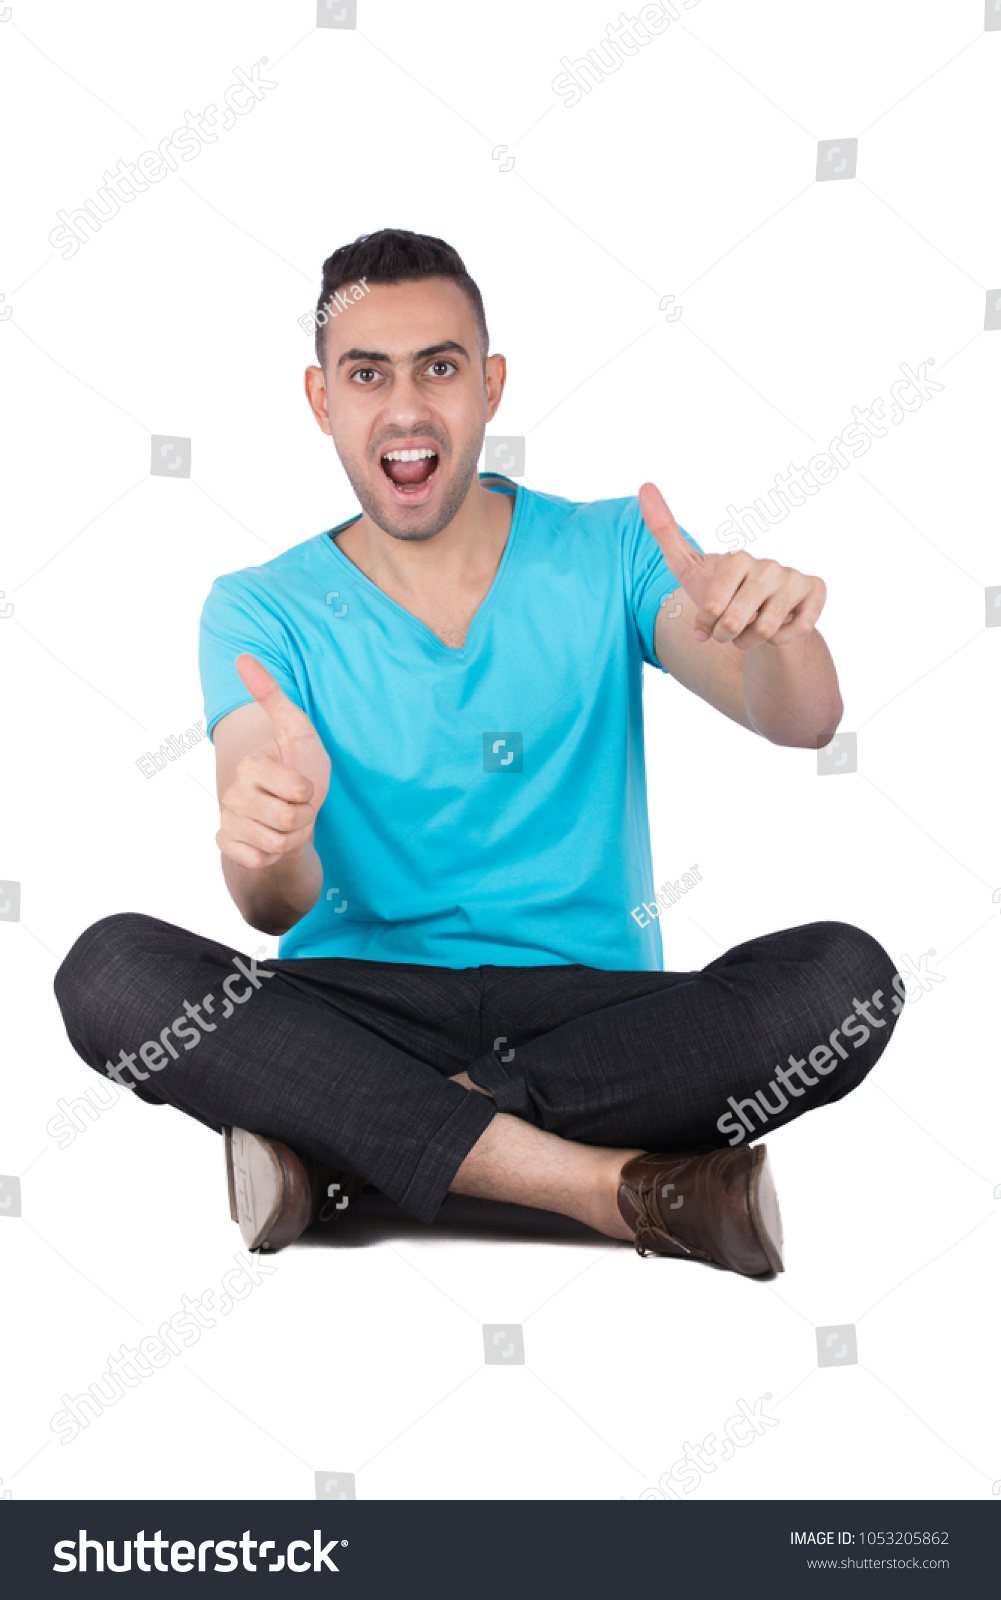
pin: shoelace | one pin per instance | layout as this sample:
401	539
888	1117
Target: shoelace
650	1222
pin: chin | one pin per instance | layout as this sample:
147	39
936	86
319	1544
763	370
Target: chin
418	517
412	535
413	525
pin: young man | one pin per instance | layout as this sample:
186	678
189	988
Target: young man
428	733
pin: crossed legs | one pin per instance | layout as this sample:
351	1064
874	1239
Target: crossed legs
387	1070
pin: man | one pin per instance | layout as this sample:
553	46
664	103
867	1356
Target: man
428	734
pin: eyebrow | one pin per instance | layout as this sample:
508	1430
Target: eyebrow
441	348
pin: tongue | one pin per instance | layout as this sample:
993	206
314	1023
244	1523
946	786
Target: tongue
409	472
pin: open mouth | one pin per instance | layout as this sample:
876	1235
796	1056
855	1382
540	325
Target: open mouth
410	471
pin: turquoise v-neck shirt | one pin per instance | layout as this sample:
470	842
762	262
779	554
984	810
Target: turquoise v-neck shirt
487	806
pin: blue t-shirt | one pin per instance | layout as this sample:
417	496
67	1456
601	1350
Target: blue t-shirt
487	806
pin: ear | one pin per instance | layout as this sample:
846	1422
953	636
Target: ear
316	394
495	377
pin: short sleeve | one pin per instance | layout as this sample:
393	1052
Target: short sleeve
649	580
235	620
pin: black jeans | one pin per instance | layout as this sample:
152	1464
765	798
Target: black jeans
349	1061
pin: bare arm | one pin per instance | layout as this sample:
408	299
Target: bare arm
272	774
777	694
741	633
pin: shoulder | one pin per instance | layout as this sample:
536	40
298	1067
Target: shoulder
620	514
284	573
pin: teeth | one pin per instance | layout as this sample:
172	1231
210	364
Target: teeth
408	455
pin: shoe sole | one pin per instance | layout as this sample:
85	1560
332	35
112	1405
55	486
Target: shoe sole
763	1205
268	1192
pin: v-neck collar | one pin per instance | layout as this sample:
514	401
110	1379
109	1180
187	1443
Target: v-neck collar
427	633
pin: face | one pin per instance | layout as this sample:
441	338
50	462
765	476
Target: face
406	399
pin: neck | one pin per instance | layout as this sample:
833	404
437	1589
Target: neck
464	554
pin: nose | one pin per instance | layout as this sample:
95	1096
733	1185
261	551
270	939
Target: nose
406	409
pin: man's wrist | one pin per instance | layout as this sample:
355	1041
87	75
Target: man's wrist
274	898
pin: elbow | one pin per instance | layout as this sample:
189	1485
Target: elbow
832	726
267	926
823	739
273	921
793	738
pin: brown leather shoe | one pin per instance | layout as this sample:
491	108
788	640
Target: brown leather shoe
275	1195
713	1205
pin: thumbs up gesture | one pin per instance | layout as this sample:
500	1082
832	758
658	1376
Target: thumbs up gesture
742	600
269	810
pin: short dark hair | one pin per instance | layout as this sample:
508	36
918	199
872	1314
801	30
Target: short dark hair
395	255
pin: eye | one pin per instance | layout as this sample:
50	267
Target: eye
441	369
364	375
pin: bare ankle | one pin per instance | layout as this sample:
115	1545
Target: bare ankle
605	1216
467	1083
514	1161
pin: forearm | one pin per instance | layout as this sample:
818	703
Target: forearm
273	899
791	693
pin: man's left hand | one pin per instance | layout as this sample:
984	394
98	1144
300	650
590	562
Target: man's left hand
742	599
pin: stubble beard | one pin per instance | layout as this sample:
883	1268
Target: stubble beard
407	527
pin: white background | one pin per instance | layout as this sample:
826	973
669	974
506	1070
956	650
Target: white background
690	171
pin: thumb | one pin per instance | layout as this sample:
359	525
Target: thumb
289	722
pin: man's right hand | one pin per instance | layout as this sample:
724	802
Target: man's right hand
269	810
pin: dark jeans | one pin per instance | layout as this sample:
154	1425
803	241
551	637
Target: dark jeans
349	1061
